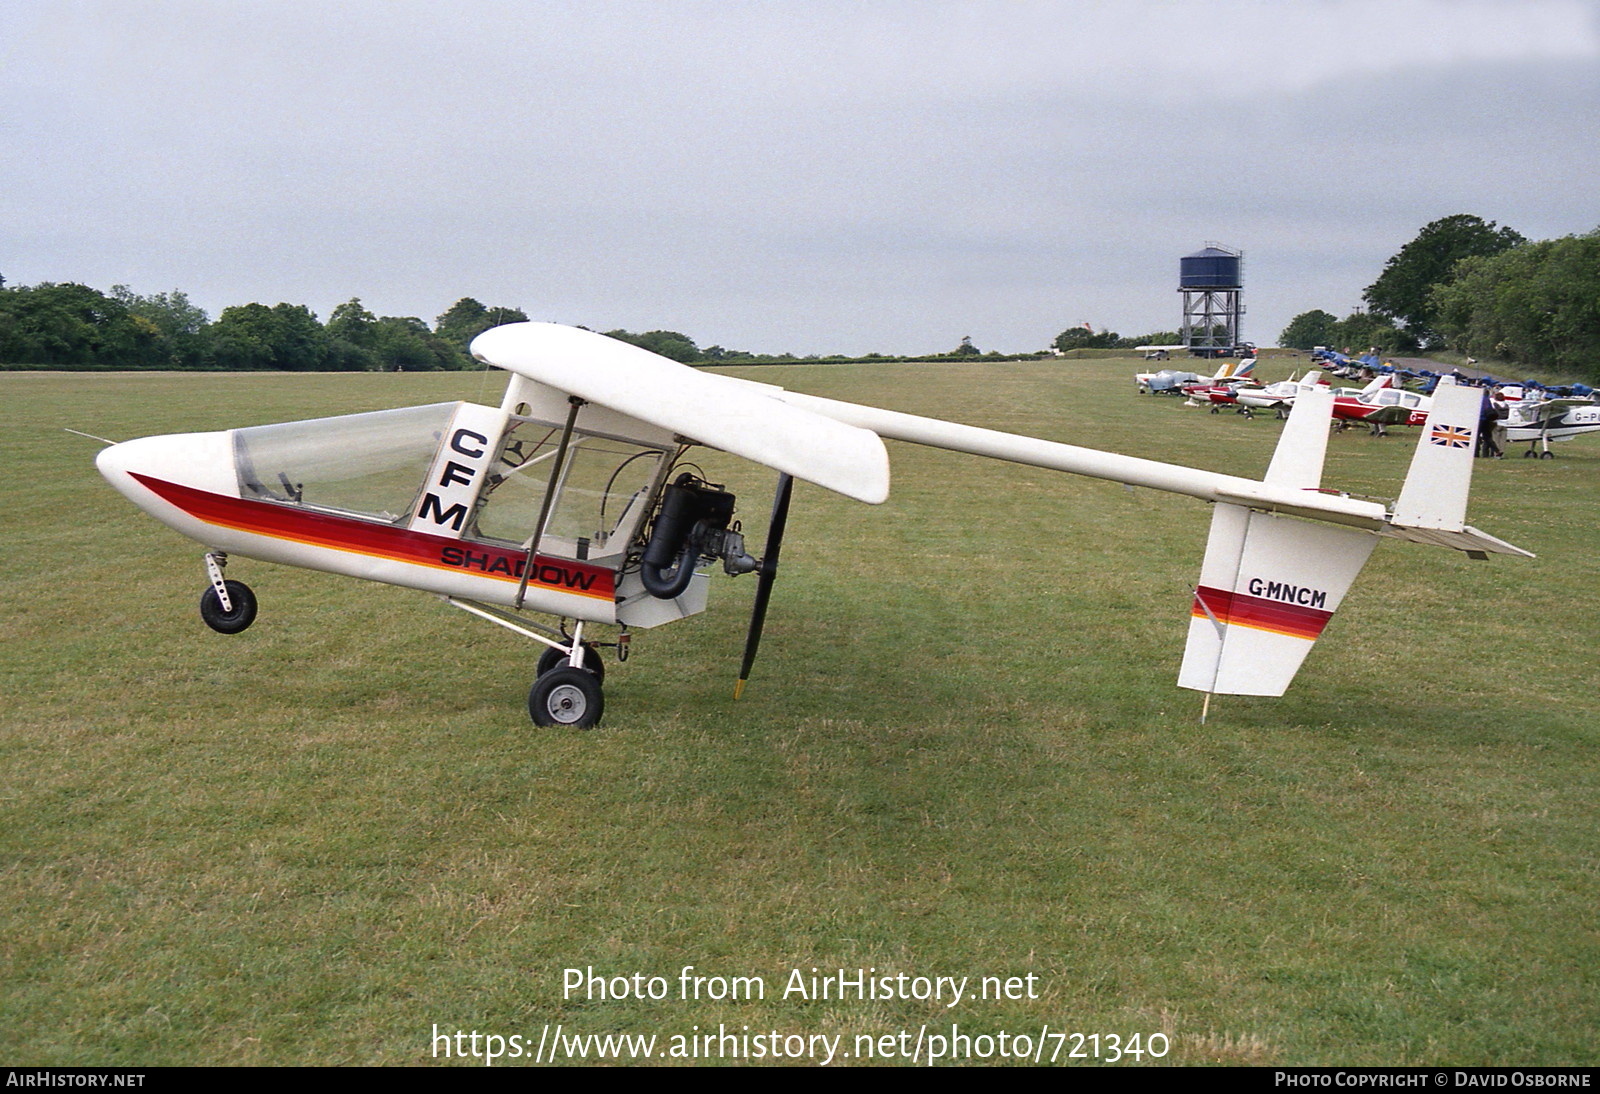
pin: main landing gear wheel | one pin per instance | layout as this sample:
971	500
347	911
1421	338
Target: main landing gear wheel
226	622
553	658
566	696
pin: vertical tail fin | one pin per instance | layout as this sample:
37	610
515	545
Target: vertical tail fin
1432	506
1436	486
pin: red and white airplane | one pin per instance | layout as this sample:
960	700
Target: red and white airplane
1249	395
573	499
1381	404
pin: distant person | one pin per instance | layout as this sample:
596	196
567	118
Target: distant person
1488	416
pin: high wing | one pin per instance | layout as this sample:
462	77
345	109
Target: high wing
698	406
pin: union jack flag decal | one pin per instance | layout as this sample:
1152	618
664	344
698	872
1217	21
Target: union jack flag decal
1451	436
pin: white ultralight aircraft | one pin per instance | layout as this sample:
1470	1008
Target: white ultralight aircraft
1543	421
572	499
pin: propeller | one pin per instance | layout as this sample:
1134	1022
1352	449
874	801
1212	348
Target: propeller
769	571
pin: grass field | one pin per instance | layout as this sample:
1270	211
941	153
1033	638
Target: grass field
961	755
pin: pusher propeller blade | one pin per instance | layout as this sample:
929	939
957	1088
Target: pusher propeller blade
769	571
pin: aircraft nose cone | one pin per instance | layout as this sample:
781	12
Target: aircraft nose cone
117	460
203	461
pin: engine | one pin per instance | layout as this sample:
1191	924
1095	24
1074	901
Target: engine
695	522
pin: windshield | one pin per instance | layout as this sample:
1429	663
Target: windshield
369	465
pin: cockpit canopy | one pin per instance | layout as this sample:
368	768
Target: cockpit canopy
379	467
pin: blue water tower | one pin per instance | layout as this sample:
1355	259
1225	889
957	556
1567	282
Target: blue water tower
1211	281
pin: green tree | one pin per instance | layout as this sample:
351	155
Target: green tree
72	324
668	343
179	324
1310	329
1085	337
352	336
1359	332
1536	304
353	323
284	336
1154	338
406	343
1403	291
467	318
464	315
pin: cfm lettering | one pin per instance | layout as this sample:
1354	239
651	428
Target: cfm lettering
454	474
434	510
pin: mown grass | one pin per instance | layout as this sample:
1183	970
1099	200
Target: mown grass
962	754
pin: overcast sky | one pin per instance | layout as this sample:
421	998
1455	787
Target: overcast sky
818	176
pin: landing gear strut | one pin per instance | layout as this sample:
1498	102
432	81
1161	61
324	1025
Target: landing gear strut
567	689
592	662
227	607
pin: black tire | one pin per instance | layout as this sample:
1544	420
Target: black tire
244	608
553	658
566	697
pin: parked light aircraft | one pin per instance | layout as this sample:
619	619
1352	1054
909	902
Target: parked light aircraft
1247	398
1539	423
1381	404
572	498
1160	353
1145	382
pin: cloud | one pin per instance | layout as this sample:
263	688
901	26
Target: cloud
816	176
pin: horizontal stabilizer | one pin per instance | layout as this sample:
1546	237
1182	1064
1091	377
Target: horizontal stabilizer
1268	586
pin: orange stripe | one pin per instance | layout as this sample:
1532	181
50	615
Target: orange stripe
375	540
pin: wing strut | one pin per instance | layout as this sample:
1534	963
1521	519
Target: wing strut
769	572
549	498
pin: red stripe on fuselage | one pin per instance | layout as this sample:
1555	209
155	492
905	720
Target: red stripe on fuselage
363	537
1243	610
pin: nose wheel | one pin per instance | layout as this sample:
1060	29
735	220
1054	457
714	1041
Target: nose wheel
227	607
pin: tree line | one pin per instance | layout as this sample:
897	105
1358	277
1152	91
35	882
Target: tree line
75	326
1468	285
70	325
1462	284
1086	337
